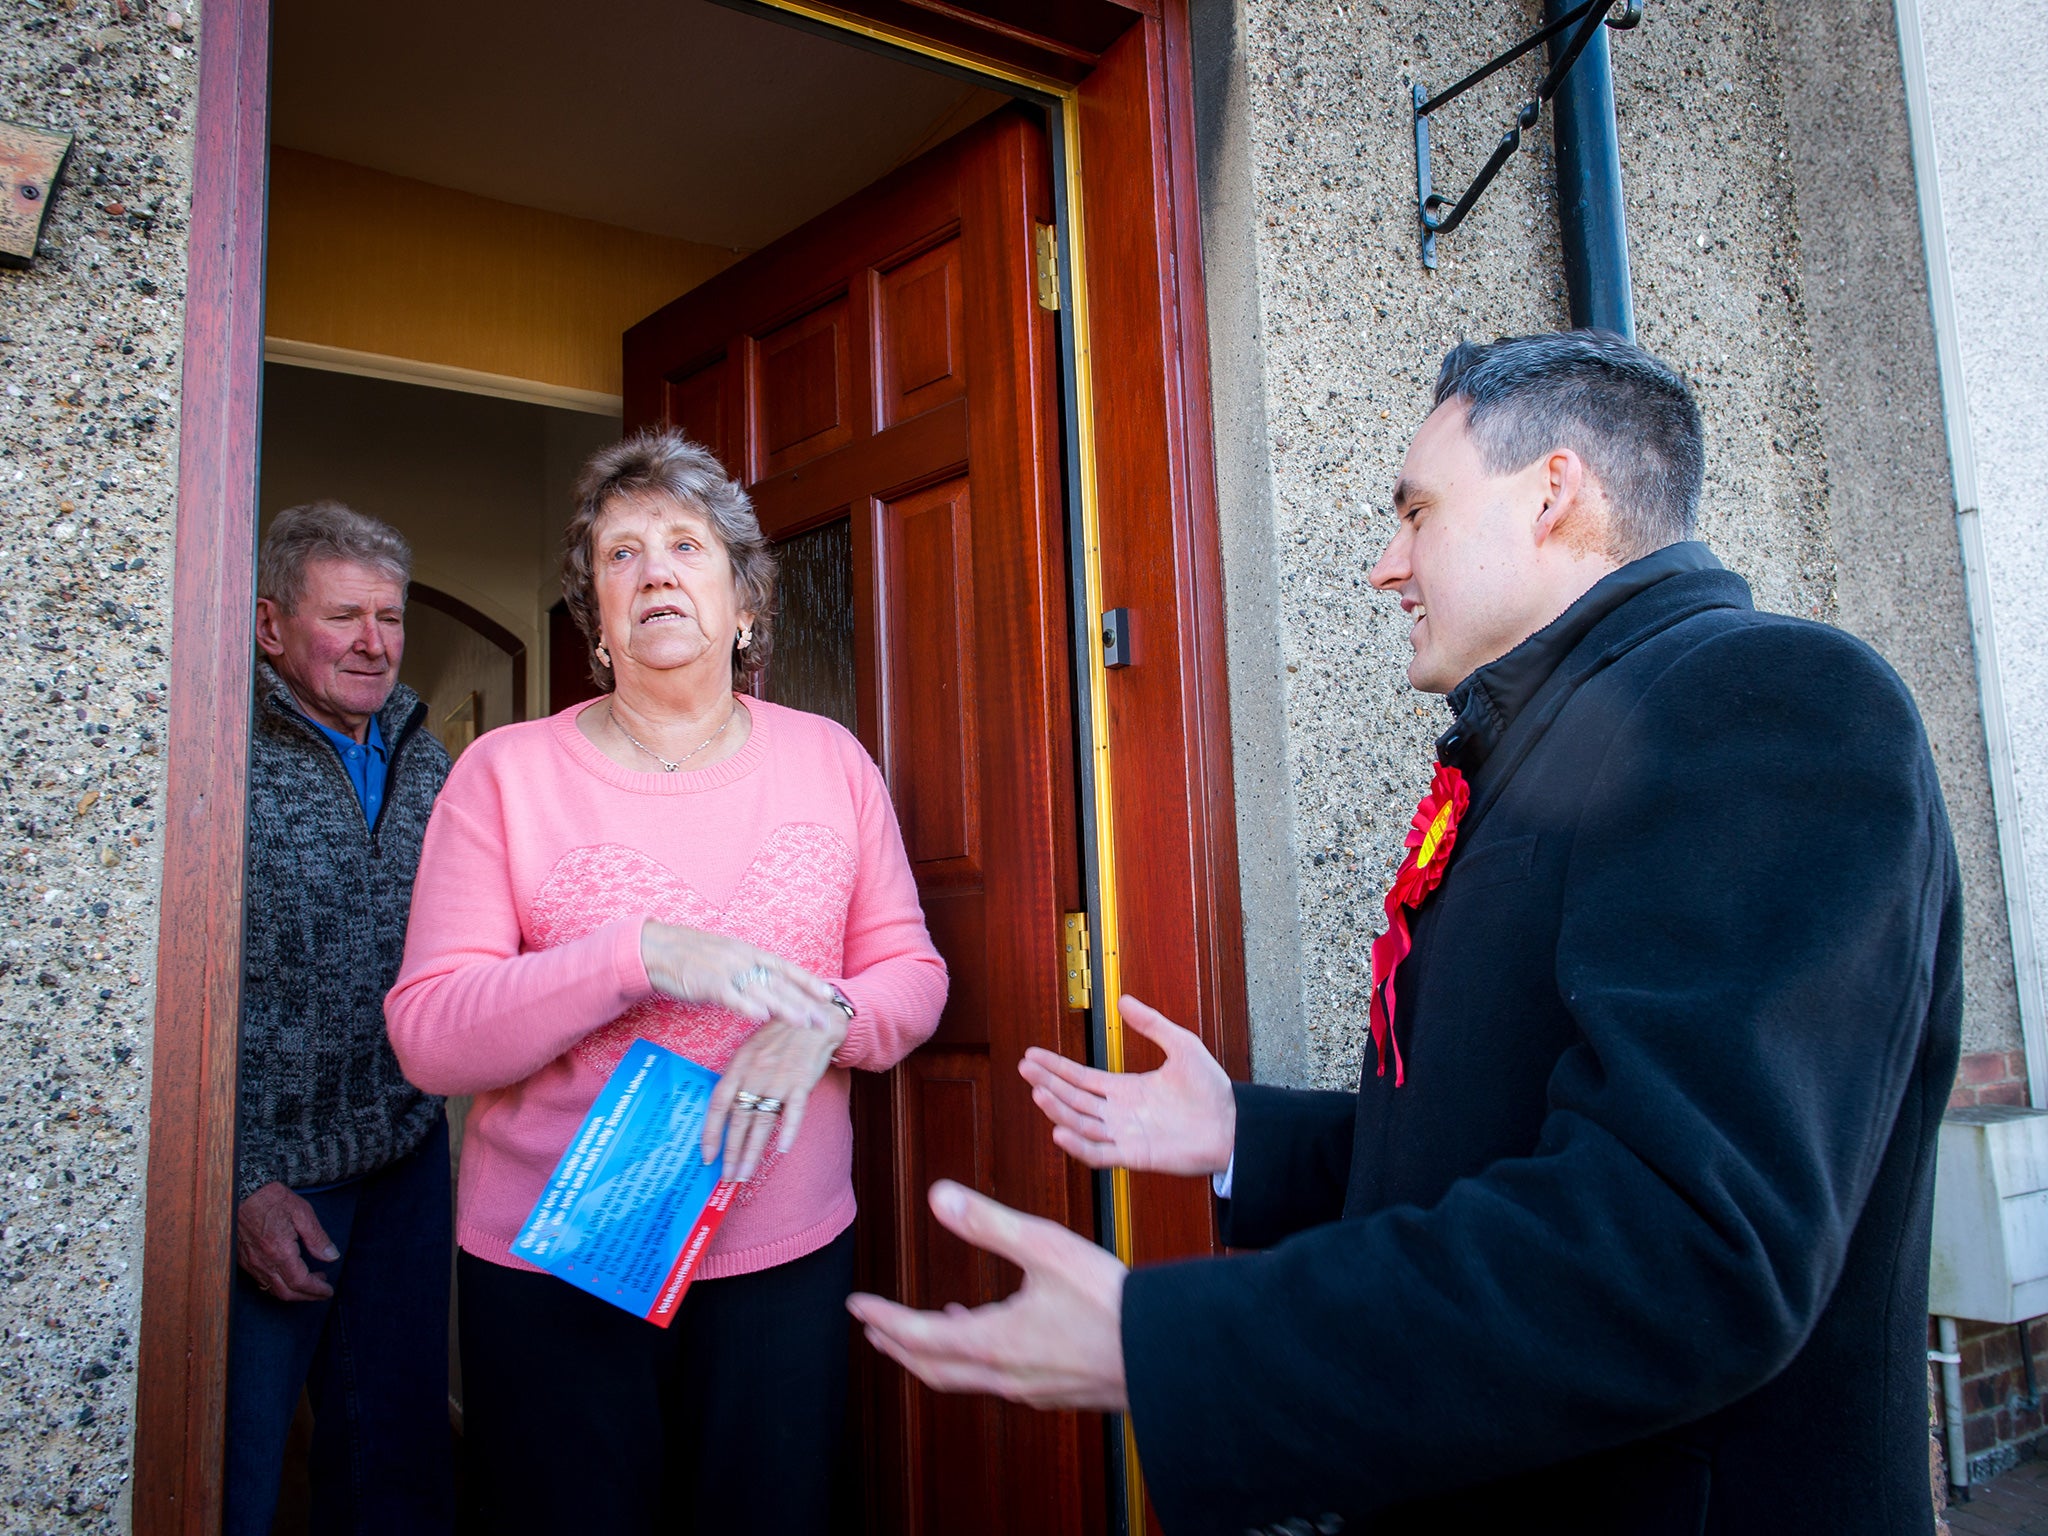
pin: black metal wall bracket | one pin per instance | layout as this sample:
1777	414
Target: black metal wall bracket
1585	17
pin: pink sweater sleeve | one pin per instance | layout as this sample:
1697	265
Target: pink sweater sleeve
470	1011
894	977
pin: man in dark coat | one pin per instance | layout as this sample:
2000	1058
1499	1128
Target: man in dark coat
1630	1231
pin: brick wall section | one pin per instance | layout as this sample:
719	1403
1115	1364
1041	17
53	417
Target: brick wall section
1998	1428
1990	1077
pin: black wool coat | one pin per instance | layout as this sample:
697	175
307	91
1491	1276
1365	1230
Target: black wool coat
1641	1245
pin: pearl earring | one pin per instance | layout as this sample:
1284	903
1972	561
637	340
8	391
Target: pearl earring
604	657
746	638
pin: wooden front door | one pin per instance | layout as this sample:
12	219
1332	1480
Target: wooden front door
884	381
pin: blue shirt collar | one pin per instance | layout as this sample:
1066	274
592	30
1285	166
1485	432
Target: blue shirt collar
365	762
373	738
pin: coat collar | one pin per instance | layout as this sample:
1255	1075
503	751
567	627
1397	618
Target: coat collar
1490	700
394	719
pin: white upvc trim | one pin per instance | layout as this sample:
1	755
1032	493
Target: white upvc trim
1962	458
406	370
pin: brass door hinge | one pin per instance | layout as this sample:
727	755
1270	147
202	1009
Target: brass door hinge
1080	981
1048	266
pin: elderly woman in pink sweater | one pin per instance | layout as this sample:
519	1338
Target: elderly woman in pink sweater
719	875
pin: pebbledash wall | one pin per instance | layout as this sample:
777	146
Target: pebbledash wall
1776	255
90	339
1778	260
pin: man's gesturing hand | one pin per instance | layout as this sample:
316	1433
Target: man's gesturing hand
1056	1343
1180	1118
269	1227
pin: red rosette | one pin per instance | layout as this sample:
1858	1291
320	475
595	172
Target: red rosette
1432	834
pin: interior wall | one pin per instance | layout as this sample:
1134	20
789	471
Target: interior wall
445	662
477	485
376	263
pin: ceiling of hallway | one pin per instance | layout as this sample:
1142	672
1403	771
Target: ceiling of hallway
677	117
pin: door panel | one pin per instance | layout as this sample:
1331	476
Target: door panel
928	548
884	383
922	344
804	376
696	403
947	1092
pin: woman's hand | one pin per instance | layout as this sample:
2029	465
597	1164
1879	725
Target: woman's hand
778	1065
1178	1118
694	966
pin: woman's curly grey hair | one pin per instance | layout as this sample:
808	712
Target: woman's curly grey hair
663	462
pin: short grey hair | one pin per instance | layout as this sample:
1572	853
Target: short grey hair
325	530
660	461
1629	416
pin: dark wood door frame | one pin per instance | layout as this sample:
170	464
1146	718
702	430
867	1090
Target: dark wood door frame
1127	67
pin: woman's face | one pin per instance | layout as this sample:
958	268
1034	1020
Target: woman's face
666	597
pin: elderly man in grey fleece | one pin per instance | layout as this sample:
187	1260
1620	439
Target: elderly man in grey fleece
343	1229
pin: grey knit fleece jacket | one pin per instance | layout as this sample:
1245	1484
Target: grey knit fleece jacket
322	1098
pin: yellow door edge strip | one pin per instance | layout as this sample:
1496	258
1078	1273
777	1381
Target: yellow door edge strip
958	58
1107	888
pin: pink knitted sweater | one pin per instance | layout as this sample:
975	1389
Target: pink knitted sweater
523	983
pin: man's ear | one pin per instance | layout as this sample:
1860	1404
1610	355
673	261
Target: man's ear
1568	497
269	637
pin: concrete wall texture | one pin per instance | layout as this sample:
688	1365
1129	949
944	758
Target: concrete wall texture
1328	335
90	341
1984	92
1890	503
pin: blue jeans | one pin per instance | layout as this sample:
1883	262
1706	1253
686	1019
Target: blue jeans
373	1358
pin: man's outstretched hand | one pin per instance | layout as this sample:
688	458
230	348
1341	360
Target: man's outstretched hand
1056	1343
1180	1118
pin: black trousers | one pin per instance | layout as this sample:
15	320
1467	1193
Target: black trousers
578	1416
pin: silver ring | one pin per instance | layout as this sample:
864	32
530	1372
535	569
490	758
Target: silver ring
749	1101
767	1106
749	976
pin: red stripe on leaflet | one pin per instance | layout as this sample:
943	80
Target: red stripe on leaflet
670	1296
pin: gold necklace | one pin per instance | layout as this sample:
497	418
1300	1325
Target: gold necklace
667	766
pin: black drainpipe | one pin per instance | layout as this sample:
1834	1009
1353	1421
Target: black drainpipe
1589	188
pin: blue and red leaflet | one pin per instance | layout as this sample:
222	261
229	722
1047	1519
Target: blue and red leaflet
633	1205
